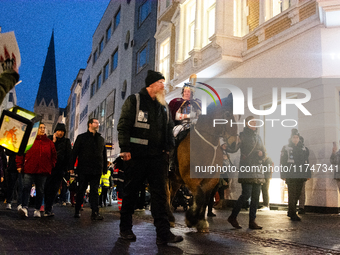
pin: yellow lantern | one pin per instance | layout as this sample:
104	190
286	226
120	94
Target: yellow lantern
18	129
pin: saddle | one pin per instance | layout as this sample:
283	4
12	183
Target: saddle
173	157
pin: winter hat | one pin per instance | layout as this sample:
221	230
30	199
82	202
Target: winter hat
152	77
294	132
60	126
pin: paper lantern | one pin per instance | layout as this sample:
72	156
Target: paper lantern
18	129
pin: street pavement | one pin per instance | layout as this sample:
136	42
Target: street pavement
63	234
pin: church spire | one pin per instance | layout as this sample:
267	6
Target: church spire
47	92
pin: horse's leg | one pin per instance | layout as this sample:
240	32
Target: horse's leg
191	219
208	186
203	225
196	212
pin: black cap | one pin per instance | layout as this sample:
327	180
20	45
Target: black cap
60	126
152	77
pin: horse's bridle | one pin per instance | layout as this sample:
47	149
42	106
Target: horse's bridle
215	146
205	140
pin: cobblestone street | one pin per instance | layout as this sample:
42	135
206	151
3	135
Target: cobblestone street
63	234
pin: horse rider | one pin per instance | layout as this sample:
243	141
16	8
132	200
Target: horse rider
184	112
145	138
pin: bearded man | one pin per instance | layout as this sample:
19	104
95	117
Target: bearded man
145	139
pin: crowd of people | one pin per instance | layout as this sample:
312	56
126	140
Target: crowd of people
147	129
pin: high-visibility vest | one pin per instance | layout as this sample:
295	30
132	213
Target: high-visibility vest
105	179
141	125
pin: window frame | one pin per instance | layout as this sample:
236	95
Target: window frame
148	4
101	46
164	58
95	56
99	81
117	14
108	33
106	71
147	47
115	53
93	89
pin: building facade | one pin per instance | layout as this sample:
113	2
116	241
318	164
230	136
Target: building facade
220	40
73	110
123	49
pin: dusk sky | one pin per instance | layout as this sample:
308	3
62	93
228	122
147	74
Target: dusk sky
74	22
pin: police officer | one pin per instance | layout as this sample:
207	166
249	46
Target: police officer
145	138
294	156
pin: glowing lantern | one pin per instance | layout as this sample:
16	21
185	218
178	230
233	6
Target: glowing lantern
18	129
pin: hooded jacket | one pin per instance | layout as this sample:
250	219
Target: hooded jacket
40	159
64	152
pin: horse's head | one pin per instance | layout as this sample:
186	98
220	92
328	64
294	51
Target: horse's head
227	131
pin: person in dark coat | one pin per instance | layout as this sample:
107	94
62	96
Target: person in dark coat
90	150
294	156
3	168
64	163
145	138
13	177
252	154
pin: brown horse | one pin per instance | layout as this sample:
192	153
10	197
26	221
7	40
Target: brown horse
201	147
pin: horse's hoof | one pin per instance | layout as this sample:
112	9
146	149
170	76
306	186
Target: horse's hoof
172	224
203	230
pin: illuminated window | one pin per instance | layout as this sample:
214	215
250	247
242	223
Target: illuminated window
190	27
164	59
211	19
275	7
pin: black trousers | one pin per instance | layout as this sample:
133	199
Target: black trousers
12	179
294	192
84	180
103	196
211	200
52	186
154	169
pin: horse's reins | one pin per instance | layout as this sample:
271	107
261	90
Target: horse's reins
205	140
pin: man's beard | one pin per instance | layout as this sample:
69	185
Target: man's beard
160	96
